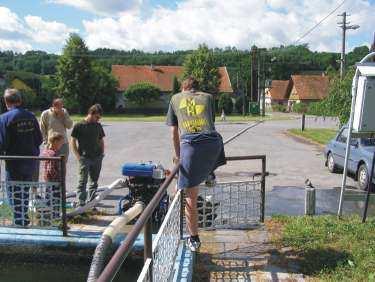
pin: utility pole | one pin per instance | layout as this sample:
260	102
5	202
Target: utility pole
254	75
344	26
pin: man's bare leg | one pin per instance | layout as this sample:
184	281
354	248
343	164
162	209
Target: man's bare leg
191	210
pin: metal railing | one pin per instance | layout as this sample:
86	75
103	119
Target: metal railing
165	245
31	202
164	237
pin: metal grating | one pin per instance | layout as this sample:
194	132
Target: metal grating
166	243
234	205
165	246
33	204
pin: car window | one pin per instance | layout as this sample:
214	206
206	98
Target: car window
343	136
368	141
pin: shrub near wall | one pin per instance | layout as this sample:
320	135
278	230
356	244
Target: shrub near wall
300	108
279	108
142	93
226	103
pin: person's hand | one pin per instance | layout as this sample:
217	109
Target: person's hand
59	112
175	160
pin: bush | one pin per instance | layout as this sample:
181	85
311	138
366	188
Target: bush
238	104
300	108
225	103
338	101
279	108
316	109
142	93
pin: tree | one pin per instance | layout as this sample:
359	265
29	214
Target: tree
225	103
74	75
202	66
339	99
104	87
142	93
238	104
175	85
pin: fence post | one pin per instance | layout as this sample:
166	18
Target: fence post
63	196
263	189
303	122
310	201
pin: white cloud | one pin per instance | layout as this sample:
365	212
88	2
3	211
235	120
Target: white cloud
47	31
20	35
100	7
9	21
221	23
10	24
15	45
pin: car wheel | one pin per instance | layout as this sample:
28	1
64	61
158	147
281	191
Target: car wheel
363	177
332	167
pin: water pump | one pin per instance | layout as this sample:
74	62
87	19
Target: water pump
143	181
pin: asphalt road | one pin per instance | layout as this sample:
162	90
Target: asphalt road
289	161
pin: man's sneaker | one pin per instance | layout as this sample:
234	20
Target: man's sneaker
193	244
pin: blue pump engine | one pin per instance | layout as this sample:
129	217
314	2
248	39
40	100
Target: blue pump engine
143	181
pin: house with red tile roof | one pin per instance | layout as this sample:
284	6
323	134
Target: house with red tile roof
161	76
308	88
278	93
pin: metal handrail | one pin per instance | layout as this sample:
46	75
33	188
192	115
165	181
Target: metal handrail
61	160
36	158
123	251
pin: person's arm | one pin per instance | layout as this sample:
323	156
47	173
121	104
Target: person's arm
101	143
213	107
37	133
101	138
176	141
73	144
3	129
172	121
68	122
44	126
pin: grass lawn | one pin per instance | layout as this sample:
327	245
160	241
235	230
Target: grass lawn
319	135
328	249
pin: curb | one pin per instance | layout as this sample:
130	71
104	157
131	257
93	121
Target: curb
307	140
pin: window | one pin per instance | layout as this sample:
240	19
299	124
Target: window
368	142
343	136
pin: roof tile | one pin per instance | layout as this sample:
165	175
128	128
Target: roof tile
311	87
280	89
161	76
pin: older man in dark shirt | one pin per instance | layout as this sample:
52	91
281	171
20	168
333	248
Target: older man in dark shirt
19	136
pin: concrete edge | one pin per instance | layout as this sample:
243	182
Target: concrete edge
184	264
38	238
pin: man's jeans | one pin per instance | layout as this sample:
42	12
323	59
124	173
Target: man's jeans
88	168
18	196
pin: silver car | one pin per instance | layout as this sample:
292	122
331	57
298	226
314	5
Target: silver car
361	154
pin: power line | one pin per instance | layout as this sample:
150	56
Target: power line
316	25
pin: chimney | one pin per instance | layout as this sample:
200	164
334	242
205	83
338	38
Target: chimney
373	45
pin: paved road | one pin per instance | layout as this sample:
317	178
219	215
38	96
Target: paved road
289	161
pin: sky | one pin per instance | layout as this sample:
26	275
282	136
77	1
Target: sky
168	25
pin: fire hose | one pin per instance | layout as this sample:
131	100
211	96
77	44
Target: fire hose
115	185
107	238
